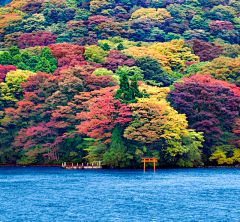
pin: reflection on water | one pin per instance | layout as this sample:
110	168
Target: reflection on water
53	194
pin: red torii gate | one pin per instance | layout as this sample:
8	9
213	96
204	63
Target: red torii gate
149	160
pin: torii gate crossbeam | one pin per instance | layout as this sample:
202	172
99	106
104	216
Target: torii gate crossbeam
149	160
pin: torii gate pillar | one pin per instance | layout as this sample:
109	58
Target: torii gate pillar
149	160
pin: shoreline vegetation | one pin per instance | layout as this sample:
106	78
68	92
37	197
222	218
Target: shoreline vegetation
114	81
105	167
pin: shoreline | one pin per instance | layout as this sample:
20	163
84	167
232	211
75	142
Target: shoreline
59	165
37	165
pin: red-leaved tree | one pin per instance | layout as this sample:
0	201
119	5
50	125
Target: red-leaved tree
102	115
40	38
61	50
4	70
211	106
48	110
218	25
71	60
115	59
205	50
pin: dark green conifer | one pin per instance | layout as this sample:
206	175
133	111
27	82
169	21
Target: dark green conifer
53	68
47	53
134	86
53	62
127	93
105	47
153	72
139	44
120	47
1	102
116	156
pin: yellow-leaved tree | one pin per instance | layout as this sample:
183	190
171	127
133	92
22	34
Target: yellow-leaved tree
144	51
96	5
171	55
11	90
156	124
176	53
223	68
155	118
160	14
226	155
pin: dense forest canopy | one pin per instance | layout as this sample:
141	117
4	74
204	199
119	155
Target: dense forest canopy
93	80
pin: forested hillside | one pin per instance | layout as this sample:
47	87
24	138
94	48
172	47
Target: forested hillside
109	80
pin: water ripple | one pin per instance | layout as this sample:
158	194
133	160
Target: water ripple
53	194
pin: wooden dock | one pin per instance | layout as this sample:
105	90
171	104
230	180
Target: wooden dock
93	165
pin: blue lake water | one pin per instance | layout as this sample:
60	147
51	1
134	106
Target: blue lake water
53	194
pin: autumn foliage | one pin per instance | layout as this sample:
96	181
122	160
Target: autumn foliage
39	38
114	81
62	49
205	51
211	106
4	70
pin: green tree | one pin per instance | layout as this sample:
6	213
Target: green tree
134	86
120	47
34	23
14	51
153	71
43	66
197	22
32	63
53	68
170	36
5	58
16	59
25	57
82	14
223	13
191	142
225	154
102	72
127	93
131	71
22	66
47	53
139	44
105	72
117	154
1	102
105	47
